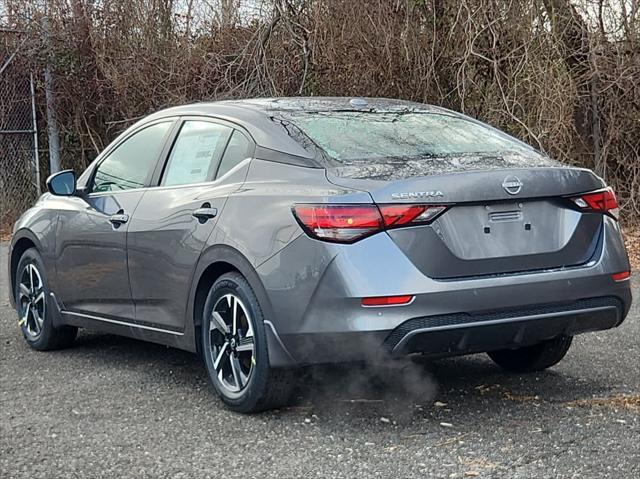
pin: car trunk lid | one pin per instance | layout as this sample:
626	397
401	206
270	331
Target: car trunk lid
499	220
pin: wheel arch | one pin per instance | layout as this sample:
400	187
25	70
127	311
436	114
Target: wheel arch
213	263
22	240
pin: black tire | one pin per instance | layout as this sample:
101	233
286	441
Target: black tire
42	335
532	358
266	387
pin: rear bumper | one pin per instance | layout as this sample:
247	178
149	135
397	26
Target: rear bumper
318	317
462	333
466	333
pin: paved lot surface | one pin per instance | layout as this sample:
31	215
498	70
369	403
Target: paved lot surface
113	407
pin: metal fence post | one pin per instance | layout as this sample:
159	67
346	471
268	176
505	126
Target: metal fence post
52	122
36	153
53	129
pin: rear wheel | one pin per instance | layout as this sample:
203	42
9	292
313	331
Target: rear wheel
234	346
533	358
35	316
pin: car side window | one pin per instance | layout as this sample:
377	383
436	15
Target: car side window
131	163
237	150
195	153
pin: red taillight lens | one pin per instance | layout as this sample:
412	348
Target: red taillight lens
398	215
387	300
340	223
349	223
603	201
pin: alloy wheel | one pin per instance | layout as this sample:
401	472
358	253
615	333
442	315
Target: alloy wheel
31	300
232	343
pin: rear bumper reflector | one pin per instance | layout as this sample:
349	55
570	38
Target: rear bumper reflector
387	300
622	276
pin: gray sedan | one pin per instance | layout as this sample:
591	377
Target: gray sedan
268	234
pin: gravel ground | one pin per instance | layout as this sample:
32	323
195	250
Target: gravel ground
114	407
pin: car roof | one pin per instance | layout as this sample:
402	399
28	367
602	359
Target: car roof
255	115
308	104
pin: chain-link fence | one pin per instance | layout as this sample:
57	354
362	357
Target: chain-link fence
19	165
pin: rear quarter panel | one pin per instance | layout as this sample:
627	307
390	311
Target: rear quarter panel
257	219
258	223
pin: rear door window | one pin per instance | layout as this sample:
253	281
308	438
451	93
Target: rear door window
238	149
196	153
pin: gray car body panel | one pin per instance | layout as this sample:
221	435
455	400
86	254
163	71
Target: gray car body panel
309	290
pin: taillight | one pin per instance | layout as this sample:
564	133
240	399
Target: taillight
399	215
340	223
603	201
349	223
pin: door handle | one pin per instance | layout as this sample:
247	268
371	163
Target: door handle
205	212
119	218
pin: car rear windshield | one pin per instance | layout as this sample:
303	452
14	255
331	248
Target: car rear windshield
353	136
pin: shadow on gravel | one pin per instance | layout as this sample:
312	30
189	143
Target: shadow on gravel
161	363
401	389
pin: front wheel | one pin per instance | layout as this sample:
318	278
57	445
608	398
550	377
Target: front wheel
234	346
34	306
533	358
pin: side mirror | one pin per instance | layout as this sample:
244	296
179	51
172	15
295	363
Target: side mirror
62	183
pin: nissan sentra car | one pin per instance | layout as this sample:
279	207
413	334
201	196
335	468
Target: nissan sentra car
268	234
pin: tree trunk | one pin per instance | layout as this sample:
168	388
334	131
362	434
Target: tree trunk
573	35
